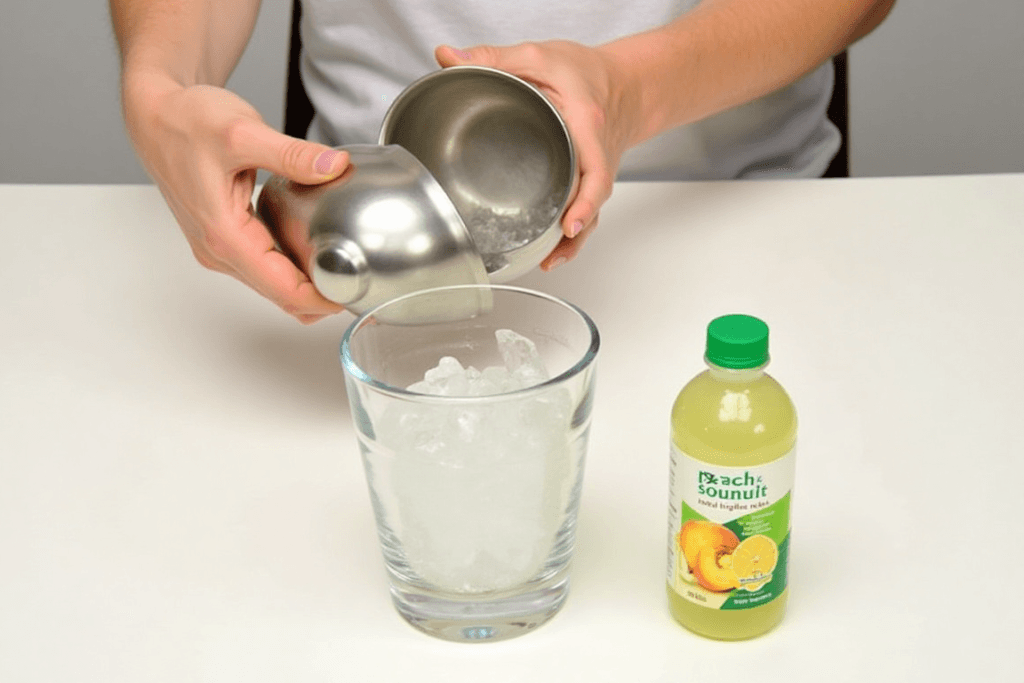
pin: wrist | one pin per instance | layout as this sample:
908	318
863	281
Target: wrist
652	67
144	92
154	62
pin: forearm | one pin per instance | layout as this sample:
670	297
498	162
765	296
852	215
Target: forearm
190	41
727	52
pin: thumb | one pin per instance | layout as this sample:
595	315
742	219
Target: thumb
304	162
481	55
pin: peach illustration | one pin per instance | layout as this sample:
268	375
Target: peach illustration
711	574
696	534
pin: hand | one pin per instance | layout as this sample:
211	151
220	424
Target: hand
202	146
599	107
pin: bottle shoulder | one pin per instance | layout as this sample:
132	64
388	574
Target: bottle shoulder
734	421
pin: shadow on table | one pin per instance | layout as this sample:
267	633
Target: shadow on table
299	367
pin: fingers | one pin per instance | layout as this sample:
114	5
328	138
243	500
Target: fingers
580	218
578	224
250	255
568	248
524	59
253	144
595	187
203	146
238	244
446	55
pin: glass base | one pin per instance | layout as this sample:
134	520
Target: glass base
481	619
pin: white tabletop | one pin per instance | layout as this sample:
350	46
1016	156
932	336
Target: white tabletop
181	496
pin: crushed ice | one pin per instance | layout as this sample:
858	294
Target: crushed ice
496	232
480	488
523	367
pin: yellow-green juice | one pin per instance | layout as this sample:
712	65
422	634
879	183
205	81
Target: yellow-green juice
731	421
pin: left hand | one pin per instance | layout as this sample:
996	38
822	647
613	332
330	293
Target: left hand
599	105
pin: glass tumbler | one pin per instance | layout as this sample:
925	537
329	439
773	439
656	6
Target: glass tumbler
472	410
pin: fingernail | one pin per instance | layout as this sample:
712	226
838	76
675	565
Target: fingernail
575	228
325	161
557	262
461	54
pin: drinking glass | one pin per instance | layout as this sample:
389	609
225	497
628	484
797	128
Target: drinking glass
472	409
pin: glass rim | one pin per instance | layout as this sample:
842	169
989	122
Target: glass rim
356	372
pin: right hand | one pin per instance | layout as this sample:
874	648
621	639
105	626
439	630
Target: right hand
202	146
601	108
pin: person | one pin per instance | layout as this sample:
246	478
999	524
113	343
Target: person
655	89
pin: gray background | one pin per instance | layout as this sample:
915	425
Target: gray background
938	88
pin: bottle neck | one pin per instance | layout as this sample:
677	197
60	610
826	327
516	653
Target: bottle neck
733	375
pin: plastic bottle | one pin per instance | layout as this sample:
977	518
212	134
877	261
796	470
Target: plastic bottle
731	478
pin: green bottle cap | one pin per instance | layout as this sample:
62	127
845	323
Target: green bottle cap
737	342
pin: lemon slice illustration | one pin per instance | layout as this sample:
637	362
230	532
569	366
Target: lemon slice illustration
754	560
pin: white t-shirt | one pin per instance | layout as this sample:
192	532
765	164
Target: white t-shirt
359	54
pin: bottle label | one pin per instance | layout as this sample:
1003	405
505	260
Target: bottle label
729	531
